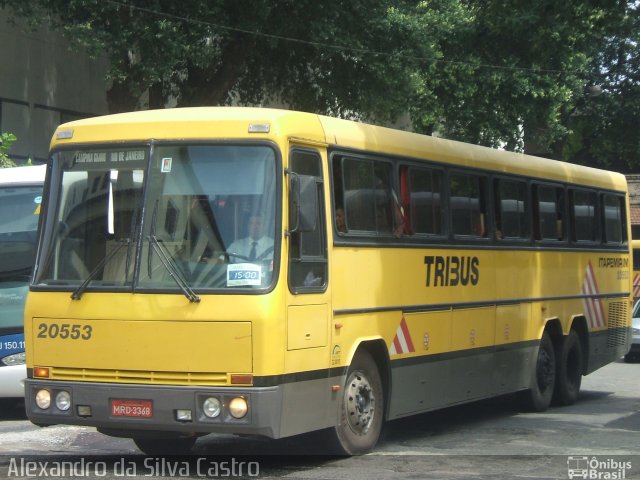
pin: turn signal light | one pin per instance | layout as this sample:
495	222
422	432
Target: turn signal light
41	372
241	379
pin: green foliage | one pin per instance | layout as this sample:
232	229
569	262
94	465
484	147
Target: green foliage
523	69
306	54
508	73
6	140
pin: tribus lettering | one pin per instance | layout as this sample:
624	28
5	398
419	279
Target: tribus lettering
452	271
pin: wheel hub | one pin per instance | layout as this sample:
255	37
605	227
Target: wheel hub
545	370
360	403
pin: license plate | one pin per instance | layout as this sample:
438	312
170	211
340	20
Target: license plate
131	408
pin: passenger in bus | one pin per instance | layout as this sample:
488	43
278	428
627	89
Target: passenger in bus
341	225
256	247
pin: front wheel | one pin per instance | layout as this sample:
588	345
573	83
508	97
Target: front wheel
538	397
361	407
165	446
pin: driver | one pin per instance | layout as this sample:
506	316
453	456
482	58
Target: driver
256	247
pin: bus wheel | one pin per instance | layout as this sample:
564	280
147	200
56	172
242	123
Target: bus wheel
165	446
538	397
361	407
568	370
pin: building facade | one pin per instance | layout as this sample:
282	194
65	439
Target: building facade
43	83
633	180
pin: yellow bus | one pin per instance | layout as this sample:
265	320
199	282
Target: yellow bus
268	272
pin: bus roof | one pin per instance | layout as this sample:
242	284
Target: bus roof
30	175
233	122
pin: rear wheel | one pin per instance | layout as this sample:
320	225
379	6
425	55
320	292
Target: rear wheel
538	397
361	407
569	368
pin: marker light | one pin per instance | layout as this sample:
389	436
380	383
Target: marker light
43	399
212	407
259	127
64	134
238	407
41	372
241	379
63	400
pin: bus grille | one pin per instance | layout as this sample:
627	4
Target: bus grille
617	330
133	376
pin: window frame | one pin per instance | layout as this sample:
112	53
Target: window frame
392	193
560	210
596	222
497	181
321	230
432	170
486	219
621	204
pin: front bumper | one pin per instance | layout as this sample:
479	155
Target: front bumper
263	417
11	381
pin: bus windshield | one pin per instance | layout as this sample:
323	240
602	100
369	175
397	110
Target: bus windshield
177	217
19	211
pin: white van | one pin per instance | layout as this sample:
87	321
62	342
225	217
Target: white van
20	199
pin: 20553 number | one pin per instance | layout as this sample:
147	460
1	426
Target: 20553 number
65	331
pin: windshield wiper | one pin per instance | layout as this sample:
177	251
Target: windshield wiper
167	260
77	293
174	271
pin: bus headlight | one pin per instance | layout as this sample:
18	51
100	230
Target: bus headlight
15	359
43	399
63	401
212	407
238	407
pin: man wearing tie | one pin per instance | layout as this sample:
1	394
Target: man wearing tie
257	247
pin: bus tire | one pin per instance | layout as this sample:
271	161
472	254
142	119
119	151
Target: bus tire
361	412
165	446
630	358
539	396
569	368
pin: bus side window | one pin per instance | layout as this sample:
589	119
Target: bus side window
359	195
511	210
308	249
371	204
548	208
467	199
614	219
583	209
425	201
339	216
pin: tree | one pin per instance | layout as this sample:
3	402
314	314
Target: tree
512	73
6	140
525	74
310	55
605	126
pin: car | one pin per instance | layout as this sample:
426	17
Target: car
634	353
20	199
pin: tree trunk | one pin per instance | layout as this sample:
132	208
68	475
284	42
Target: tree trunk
208	88
156	96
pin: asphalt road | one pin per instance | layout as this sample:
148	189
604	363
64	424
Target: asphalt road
598	437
